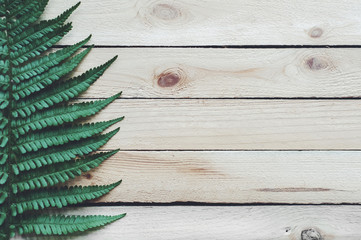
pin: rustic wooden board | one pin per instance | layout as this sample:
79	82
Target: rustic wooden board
227	73
231	176
212	22
176	149
171	124
231	223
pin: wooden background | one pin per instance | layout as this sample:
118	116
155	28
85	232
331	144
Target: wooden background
236	111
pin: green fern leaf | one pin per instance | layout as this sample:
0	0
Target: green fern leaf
63	153
33	34
63	225
41	81
27	13
57	197
62	92
44	63
58	173
42	144
41	45
37	141
59	115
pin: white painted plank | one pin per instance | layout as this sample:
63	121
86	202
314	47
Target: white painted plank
212	22
231	223
226	124
227	73
231	177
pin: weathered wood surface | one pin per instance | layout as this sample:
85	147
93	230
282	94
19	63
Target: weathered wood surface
231	223
187	124
179	150
157	83
213	22
231	176
227	73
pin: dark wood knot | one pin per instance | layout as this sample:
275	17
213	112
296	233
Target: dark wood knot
315	63
170	77
311	234
88	176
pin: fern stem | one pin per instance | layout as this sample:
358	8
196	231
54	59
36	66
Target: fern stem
9	130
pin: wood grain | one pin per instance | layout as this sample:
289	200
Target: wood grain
227	73
176	149
231	176
231	223
187	124
211	22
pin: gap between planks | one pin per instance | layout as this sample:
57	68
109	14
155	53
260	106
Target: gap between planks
231	223
236	177
220	46
211	22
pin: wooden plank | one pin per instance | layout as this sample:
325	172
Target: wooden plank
227	73
211	22
231	223
187	124
231	176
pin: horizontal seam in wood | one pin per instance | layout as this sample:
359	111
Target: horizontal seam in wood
117	204
220	46
233	98
234	150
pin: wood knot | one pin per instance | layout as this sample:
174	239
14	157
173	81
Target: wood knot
170	77
310	234
315	32
316	64
166	12
88	176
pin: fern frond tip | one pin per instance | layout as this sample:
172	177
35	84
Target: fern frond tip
120	216
117	183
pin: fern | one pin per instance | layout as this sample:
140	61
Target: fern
41	142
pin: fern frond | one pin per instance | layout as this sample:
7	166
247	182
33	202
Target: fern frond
36	141
43	80
62	153
63	225
35	49
33	34
45	63
58	173
57	197
63	92
21	8
26	13
41	145
60	115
